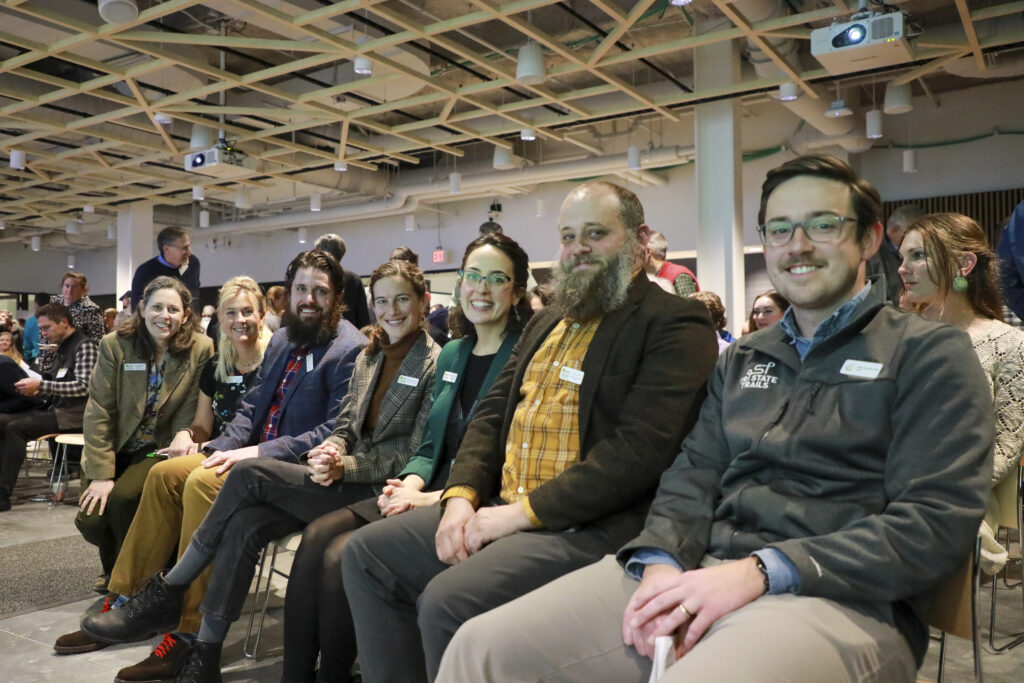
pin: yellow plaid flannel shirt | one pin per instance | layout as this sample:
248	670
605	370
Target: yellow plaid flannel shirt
544	437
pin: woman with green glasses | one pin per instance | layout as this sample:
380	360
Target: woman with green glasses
491	311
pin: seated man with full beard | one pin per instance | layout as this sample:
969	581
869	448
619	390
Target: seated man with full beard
291	409
559	464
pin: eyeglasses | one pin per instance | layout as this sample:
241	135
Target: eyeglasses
825	229
495	280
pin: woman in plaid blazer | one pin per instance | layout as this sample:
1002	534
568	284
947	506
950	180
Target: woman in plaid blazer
378	429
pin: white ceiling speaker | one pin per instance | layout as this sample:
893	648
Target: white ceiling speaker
788	91
303	236
118	11
203	137
18	159
314	201
898	99
633	158
873	124
530	65
838	109
502	159
242	199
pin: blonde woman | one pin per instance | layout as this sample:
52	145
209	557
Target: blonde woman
241	308
9	349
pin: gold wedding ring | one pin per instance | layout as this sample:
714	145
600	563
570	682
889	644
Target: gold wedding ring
686	612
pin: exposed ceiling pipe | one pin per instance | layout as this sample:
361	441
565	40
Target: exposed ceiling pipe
407	197
848	134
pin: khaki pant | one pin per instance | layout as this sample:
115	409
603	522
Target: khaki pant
175	499
571	630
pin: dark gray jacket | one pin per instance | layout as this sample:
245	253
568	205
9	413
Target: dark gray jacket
873	488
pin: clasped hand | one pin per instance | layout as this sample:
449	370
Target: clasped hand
324	462
402	495
463	531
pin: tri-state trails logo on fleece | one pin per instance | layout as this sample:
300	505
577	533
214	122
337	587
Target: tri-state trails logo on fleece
759	377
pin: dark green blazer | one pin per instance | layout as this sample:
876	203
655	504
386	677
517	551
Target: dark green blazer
454	356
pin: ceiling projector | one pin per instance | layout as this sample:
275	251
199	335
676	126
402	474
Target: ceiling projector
220	162
864	43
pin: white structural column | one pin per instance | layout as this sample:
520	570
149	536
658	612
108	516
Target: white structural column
135	242
719	181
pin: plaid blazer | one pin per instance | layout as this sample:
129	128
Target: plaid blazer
374	458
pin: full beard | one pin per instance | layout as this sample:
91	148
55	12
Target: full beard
312	332
588	294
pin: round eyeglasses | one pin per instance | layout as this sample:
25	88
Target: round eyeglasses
824	229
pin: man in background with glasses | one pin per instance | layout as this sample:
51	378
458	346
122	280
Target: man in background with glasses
561	459
838	472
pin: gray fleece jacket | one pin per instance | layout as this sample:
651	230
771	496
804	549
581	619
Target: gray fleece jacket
873	486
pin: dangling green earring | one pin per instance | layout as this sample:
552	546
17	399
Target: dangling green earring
960	284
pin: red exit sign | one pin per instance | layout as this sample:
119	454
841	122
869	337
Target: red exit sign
439	256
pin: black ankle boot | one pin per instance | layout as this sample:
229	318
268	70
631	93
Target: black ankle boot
154	609
202	663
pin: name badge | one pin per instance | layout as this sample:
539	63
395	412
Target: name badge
309	362
408	381
235	379
450	376
861	368
134	367
61	373
571	375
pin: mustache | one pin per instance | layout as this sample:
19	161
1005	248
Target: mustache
802	261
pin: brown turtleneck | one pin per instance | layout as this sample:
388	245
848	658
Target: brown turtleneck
394	354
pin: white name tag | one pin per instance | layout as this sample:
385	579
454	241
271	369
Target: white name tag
62	373
571	375
134	367
235	379
450	376
309	362
861	368
408	381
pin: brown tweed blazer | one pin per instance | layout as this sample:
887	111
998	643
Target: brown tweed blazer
376	457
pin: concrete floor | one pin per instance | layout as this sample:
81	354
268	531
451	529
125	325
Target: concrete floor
26	640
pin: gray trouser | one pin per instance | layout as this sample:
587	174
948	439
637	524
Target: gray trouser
407	604
571	630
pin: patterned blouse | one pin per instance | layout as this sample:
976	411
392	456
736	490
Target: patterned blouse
226	396
144	437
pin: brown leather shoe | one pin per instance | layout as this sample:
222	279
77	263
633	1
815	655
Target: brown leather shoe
161	665
77	643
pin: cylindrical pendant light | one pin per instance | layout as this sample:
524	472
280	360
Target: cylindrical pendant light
530	65
897	99
37	242
71	260
198	193
909	161
204	218
633	158
540	208
303	236
873	124
454	182
18	159
314	201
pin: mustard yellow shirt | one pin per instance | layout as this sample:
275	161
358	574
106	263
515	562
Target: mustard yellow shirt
544	438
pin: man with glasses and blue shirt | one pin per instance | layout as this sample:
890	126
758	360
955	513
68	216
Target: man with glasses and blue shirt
558	466
837	474
174	259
